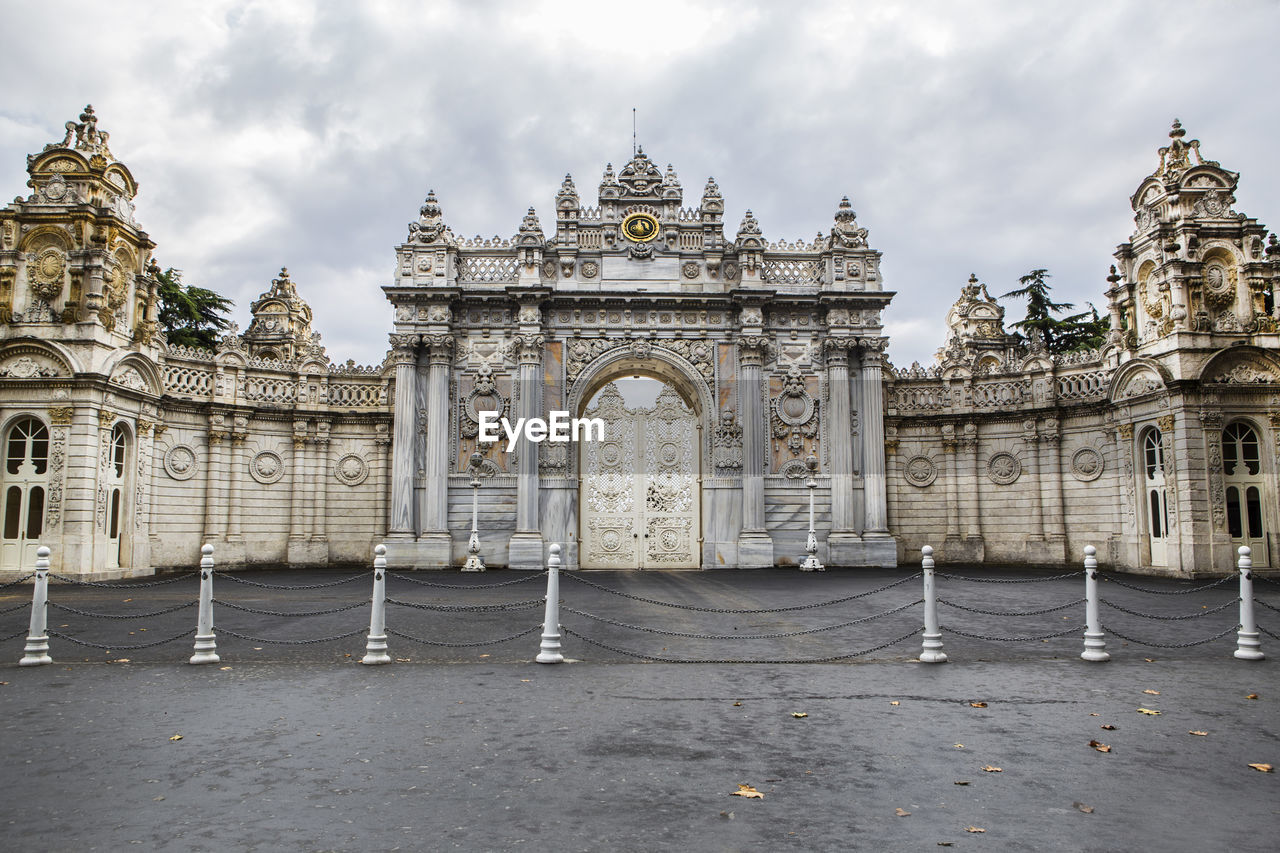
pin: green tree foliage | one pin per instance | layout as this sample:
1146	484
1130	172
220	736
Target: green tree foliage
190	316
1085	330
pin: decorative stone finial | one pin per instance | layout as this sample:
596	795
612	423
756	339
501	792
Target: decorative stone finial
84	136
430	225
530	230
749	227
846	234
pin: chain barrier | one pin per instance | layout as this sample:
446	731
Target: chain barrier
420	582
259	612
470	645
1040	612
1268	633
231	577
23	606
1219	582
657	659
116	648
1009	580
1258	601
469	608
1265	579
18	581
1074	629
743	612
119	585
21	633
93	615
1197	615
1110	630
778	636
360	630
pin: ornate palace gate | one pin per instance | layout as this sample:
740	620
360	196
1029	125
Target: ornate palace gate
640	496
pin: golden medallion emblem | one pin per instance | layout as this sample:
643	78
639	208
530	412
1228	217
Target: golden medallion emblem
640	227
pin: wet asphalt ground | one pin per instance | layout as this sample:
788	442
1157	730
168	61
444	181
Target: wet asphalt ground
458	747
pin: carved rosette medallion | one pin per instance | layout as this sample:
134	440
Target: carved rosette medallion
690	269
46	270
1218	285
1003	468
920	471
1086	464
351	470
266	467
180	462
590	269
794	413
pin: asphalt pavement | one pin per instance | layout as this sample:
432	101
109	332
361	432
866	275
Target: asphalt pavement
297	747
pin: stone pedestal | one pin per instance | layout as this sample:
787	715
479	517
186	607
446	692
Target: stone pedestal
525	551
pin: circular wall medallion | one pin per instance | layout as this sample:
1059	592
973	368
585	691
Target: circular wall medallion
920	471
610	454
640	227
266	467
690	269
610	540
180	462
1086	464
668	454
590	269
351	470
794	409
1003	468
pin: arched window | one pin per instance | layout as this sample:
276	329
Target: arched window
1155	497
1245	488
26	475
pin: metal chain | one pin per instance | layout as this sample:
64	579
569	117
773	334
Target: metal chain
1108	630
221	630
777	636
474	645
525	579
18	581
656	659
951	577
1219	582
751	612
1265	579
13	636
1072	630
470	608
1168	618
244	609
1268	633
93	615
113	648
231	577
1255	601
1011	612
118	585
16	608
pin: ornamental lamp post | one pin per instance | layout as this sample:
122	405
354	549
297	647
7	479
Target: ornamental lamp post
811	562
474	563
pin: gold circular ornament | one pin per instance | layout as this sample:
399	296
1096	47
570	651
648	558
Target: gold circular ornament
640	227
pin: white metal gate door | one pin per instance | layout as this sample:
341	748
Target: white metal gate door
639	500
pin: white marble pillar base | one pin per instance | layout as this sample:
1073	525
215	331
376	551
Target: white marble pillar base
880	552
525	552
755	550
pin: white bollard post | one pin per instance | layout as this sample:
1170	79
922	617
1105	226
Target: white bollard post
1095	643
375	650
1248	646
550	647
206	648
37	651
931	650
811	563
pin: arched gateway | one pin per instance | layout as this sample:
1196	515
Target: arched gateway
770	353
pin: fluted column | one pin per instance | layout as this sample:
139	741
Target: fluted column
297	483
525	550
839	438
755	547
949	443
875	504
320	506
213	507
405	423
235	472
971	506
1051	485
435	500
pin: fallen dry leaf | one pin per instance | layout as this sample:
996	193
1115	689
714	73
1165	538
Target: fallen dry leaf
1082	807
737	704
945	843
525	680
1100	746
959	746
1091	714
119	660
224	668
1264	768
1108	727
992	769
484	655
977	704
1198	733
1149	660
1252	696
974	829
1149	712
895	702
176	737
901	812
799	714
748	792
966	782
1152	692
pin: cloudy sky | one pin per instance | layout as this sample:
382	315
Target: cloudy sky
990	137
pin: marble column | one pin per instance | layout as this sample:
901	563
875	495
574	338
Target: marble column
436	545
1051	488
297	484
952	539
320	504
876	504
213	507
840	451
755	546
1030	460
405	427
234	471
972	504
525	549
